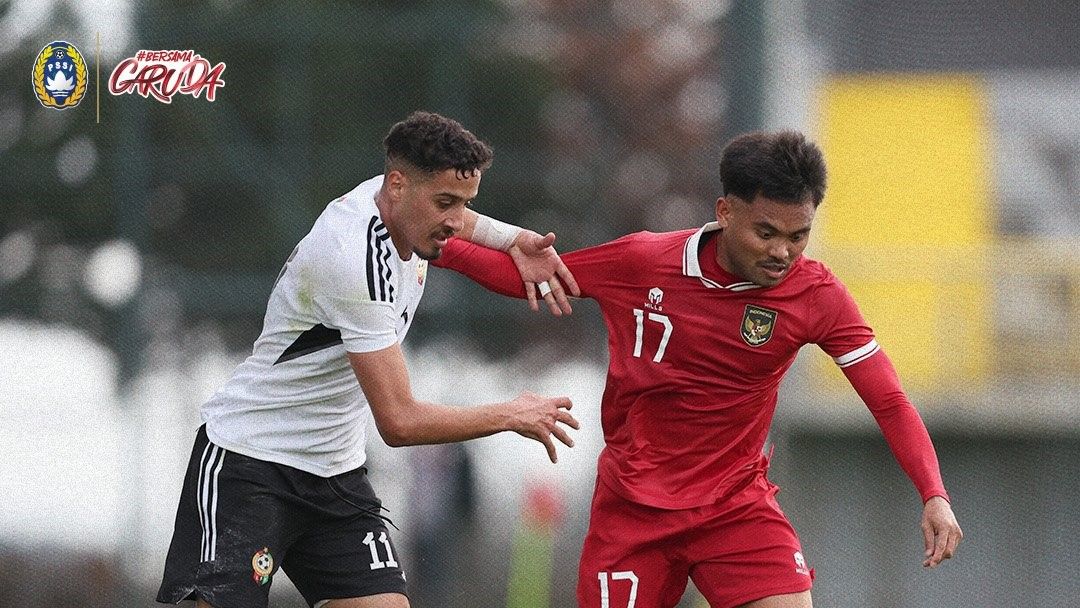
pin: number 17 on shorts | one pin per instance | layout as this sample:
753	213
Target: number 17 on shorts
608	579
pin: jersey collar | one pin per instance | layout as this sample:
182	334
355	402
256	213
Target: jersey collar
692	267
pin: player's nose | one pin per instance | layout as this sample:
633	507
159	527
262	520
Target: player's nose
779	252
455	221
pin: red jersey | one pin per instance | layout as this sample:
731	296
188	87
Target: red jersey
697	356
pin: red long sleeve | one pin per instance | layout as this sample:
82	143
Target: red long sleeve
493	270
876	382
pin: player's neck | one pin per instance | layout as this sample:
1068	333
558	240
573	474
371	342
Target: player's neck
386	213
712	262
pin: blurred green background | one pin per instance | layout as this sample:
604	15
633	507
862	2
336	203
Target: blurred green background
139	240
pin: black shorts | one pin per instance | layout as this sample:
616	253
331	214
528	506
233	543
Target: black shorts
241	518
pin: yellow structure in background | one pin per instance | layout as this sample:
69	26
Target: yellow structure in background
906	221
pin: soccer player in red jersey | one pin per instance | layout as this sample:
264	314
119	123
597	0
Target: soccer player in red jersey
702	326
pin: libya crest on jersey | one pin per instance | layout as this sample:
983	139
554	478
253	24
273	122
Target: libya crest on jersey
59	76
757	325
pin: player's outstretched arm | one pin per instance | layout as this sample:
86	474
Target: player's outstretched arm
493	270
402	420
538	264
941	532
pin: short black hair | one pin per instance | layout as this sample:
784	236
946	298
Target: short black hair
433	143
782	166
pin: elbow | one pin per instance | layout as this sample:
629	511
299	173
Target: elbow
398	433
396	440
400	421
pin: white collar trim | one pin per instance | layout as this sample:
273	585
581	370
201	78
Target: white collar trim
692	266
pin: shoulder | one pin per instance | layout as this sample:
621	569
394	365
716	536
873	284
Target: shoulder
349	221
828	294
658	239
650	244
631	250
813	283
352	210
349	242
815	274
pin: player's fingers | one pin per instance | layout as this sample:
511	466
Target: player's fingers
530	295
545	241
954	541
556	299
544	287
941	540
568	420
928	540
563	403
561	434
549	299
553	305
567	277
550	445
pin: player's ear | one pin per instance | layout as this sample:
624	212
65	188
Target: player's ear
395	182
723	212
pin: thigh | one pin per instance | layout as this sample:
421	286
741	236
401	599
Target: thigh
628	559
230	529
787	600
347	552
382	600
748	551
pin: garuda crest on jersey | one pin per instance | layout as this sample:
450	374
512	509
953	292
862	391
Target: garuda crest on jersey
757	325
59	76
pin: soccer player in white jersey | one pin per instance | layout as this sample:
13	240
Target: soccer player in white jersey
276	477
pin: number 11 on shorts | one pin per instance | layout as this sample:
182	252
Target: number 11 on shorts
625	575
377	563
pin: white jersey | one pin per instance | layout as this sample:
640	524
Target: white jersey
295	400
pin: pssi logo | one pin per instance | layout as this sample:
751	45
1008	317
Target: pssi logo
162	74
59	75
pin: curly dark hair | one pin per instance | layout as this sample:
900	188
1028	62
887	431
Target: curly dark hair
433	143
782	166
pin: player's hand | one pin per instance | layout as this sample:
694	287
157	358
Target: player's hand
538	418
538	262
941	532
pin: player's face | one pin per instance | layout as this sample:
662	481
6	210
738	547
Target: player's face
761	239
431	208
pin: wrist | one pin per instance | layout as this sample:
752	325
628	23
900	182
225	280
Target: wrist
941	495
500	416
493	234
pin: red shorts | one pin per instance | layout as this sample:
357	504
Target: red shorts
736	551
